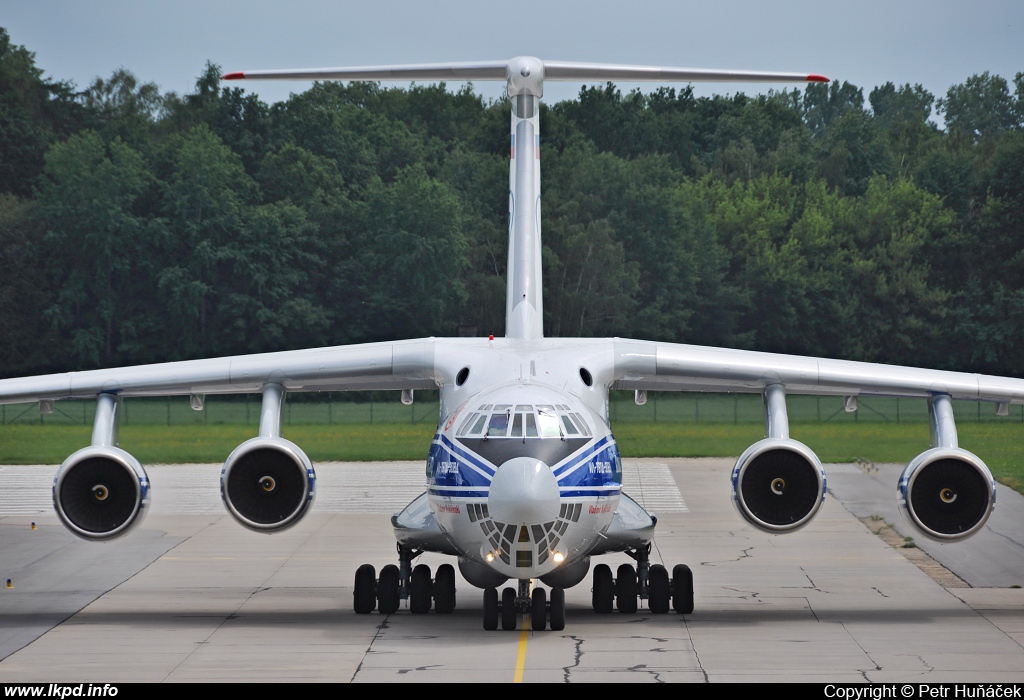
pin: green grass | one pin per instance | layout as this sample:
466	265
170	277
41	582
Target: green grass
159	444
1000	445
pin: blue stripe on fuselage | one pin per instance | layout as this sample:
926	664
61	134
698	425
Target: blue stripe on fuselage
595	470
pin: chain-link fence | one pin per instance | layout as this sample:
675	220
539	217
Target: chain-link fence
330	408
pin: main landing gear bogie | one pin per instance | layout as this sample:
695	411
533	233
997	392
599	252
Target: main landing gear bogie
646	581
386	591
544	611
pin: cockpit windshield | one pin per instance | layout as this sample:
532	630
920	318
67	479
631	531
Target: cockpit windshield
524	421
548	432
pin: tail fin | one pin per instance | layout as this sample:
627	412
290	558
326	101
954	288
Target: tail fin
525	76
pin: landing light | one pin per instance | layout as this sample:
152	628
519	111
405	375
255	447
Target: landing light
559	557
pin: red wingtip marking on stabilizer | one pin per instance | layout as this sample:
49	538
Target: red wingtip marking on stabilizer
237	75
815	78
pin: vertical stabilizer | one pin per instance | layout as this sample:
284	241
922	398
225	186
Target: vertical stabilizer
524	304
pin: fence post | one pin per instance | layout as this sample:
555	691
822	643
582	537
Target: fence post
696	407
655	407
897	410
330	409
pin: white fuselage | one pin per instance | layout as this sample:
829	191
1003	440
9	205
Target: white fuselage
523	473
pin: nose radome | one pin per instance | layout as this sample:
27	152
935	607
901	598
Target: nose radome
524	491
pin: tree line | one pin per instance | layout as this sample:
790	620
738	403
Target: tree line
138	226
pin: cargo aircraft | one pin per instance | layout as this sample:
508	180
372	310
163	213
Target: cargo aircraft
523	476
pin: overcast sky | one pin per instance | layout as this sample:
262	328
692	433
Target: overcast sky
932	42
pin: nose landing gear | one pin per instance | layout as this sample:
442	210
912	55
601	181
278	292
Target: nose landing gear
542	611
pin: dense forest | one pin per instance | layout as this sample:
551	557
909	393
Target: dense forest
138	226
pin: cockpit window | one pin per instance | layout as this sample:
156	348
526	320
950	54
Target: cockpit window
478	427
524	421
467	423
548	422
498	425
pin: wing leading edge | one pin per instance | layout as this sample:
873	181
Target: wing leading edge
407	364
653	366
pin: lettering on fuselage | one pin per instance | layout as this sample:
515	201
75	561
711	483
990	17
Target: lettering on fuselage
601	467
446	468
449	508
597	510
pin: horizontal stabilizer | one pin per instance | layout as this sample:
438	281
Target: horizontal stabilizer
483	70
562	70
552	70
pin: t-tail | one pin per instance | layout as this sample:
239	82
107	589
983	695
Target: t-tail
525	76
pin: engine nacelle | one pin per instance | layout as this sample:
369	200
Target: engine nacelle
778	484
947	493
268	484
100	492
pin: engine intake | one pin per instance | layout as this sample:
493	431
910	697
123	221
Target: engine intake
947	493
268	484
778	484
101	492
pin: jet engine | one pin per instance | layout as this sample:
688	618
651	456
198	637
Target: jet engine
947	493
778	484
100	492
268	484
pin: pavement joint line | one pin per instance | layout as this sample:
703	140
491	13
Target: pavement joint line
915	555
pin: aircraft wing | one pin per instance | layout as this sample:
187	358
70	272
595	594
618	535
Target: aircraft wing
407	364
657	366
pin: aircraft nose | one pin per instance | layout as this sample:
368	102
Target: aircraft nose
525	491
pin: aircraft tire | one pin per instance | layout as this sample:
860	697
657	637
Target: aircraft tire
490	609
508	609
420	591
363	595
539	610
604	589
387	590
557	609
626	590
659	589
444	589
682	589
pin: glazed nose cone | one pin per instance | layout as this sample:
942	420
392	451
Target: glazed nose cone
524	491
